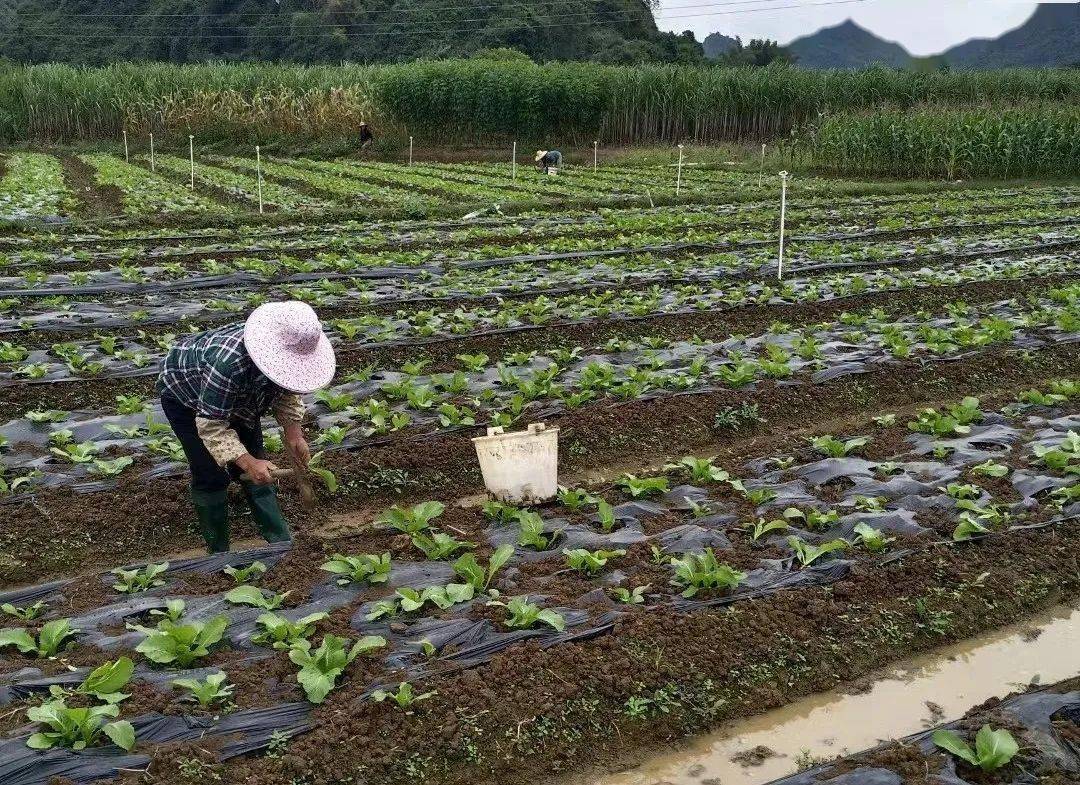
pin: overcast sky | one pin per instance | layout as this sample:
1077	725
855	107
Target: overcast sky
924	27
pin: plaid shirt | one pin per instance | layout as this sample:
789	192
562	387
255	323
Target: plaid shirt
212	374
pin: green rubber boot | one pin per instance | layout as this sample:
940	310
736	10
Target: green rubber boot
262	499
213	511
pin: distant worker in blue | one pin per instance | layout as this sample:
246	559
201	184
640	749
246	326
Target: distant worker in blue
548	160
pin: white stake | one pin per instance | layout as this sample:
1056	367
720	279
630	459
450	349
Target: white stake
594	148
761	169
153	165
410	151
191	155
783	215
258	176
513	163
127	158
678	177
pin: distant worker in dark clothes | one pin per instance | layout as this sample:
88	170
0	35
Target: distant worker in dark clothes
547	160
215	388
366	137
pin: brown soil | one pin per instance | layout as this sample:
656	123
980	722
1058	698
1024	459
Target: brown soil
61	532
95	201
442	353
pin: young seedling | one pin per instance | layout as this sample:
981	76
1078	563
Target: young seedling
404	697
103	683
993	748
834	448
698	469
252	572
468	568
25	613
250	595
761	528
315	467
575	499
140	580
807	554
872	539
366	567
211	690
174	610
414	520
532	532
639	488
590	562
439	545
50	639
990	469
969	529
525	615
320	668
280	633
78	728
635	596
180	644
702	571
605	516
500	512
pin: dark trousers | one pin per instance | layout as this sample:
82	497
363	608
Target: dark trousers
206	474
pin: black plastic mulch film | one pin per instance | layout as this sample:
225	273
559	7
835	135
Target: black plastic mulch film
916	484
1037	712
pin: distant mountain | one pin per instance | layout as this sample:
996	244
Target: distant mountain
847	46
716	45
1050	37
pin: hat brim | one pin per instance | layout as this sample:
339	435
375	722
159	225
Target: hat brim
297	372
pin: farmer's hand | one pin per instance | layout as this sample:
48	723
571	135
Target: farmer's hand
296	444
258	470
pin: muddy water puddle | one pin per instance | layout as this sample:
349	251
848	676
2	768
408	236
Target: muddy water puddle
910	697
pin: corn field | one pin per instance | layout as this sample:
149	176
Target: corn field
942	143
477	101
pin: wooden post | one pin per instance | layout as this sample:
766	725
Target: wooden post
678	177
191	155
513	163
258	176
761	169
127	158
595	145
153	163
410	150
783	215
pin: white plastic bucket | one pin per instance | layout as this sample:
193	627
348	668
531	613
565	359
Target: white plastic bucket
520	467
552	170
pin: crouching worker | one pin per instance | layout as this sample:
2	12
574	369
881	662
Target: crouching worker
216	386
547	160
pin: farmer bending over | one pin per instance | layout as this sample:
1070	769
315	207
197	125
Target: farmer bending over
548	159
216	386
366	136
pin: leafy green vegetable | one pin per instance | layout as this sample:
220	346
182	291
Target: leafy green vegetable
180	644
532	532
807	554
78	729
404	697
27	612
468	568
590	562
414	520
701	571
103	682
320	668
872	539
524	614
439	545
761	528
140	580
246	574
699	469
638	488
50	638
834	448
359	569
211	690
281	633
250	595
993	748
635	596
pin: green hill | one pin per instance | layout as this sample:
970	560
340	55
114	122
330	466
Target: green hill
1050	37
96	32
847	46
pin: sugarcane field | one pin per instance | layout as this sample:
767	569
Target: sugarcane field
535	417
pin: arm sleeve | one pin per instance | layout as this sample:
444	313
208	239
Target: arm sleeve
221	441
289	408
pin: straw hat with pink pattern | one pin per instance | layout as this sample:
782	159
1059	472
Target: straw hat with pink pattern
287	343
